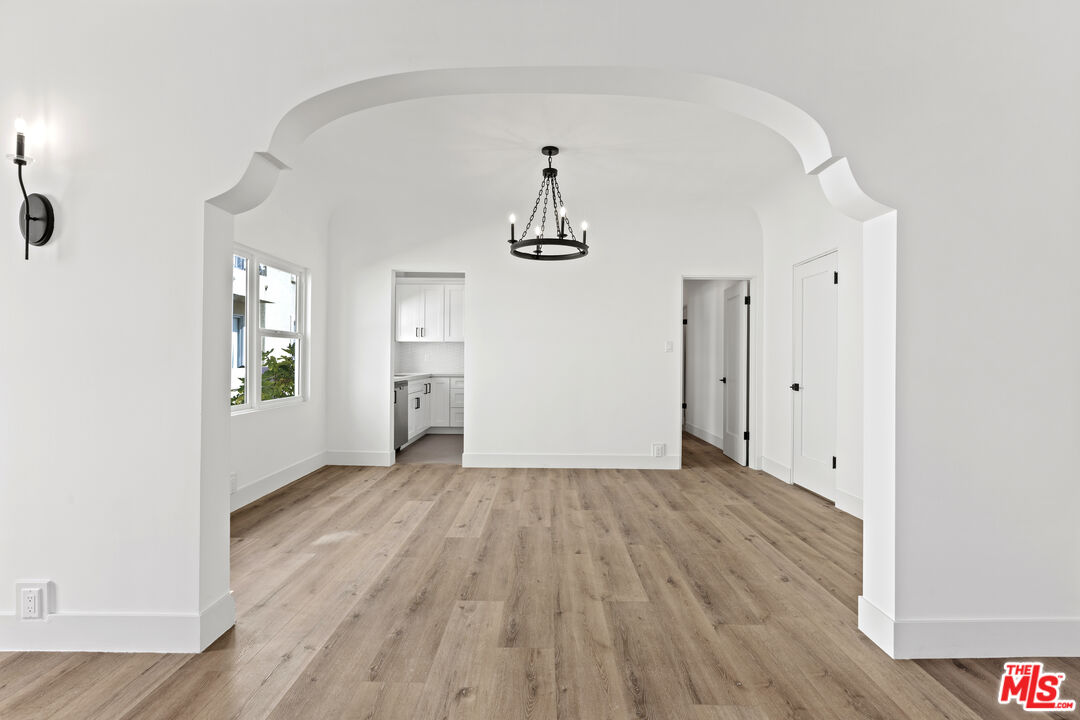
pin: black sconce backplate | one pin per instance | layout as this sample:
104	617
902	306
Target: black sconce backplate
41	219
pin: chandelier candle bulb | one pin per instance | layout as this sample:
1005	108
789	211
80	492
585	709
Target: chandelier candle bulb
584	230
562	221
512	220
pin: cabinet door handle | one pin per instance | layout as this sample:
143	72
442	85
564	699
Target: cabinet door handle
395	397
417	332
417	403
423	331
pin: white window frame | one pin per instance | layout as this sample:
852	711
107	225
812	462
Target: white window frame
254	332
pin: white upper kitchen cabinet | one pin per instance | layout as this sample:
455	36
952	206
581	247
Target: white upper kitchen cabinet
420	311
410	312
455	313
434	309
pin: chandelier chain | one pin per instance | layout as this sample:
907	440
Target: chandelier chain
528	225
543	209
558	192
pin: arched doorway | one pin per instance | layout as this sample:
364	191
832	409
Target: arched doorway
803	133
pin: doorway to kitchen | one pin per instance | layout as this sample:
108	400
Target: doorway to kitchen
716	363
428	359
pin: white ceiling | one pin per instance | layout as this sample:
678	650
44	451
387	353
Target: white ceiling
482	152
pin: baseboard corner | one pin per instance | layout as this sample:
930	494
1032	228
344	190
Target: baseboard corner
777	470
849	503
877	625
216	619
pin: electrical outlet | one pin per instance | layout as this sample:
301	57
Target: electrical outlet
669	346
659	449
30	604
32	599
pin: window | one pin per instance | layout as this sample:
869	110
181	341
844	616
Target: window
267	325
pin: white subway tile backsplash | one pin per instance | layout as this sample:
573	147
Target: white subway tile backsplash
420	357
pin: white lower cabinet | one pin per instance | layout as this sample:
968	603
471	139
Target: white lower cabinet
414	414
437	401
440	402
457	402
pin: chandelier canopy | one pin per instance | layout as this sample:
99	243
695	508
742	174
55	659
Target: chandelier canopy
564	242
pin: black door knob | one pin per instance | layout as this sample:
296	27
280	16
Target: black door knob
723	380
795	387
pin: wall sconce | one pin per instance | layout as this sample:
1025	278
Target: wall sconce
36	214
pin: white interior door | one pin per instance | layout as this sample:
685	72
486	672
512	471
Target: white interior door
814	388
736	371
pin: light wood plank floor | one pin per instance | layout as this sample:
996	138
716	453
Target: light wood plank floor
431	591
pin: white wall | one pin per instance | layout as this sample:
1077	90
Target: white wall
960	115
565	361
799	224
274	446
704	350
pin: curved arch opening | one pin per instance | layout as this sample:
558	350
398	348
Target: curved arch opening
877	267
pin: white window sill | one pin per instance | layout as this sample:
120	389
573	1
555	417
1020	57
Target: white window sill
270	405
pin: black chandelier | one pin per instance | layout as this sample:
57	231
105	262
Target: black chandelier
549	188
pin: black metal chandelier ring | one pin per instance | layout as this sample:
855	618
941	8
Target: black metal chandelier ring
532	248
515	249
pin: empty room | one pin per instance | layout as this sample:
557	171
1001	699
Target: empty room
574	361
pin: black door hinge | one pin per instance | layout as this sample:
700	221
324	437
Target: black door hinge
833	462
835	278
684	321
746	300
684	406
746	435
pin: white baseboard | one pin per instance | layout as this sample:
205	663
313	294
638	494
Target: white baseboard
119	632
970	638
582	461
251	492
216	619
445	431
367	458
777	470
700	434
849	504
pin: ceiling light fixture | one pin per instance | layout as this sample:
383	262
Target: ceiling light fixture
564	236
36	214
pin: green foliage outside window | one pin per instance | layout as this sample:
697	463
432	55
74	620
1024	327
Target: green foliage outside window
278	376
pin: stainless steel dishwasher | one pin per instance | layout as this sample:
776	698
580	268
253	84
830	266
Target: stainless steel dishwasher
401	413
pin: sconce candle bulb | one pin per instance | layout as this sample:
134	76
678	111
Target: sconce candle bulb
20	138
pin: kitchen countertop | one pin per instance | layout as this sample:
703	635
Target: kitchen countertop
409	377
